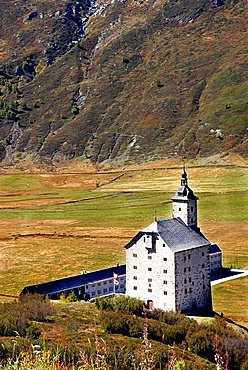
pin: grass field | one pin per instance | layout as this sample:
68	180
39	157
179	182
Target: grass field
55	225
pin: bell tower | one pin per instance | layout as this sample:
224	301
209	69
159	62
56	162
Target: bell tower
184	203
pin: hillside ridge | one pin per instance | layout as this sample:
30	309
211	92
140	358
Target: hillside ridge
122	81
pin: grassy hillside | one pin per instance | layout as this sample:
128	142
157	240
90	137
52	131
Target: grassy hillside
134	81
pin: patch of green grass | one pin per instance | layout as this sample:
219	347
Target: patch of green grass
231	298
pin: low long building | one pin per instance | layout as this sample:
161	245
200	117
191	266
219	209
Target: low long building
85	286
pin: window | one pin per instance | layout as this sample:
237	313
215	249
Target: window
110	281
144	238
110	288
86	287
149	290
185	281
189	279
192	220
165	259
203	276
189	268
93	285
98	284
184	258
203	286
149	269
105	282
189	257
135	267
122	285
203	265
192	209
134	255
184	269
193	283
165	281
190	290
99	292
163	244
149	257
202	254
165	271
185	291
135	278
165	293
134	288
93	293
104	290
179	208
149	280
150	285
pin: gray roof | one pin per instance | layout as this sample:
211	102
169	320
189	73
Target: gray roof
214	248
175	233
184	193
178	236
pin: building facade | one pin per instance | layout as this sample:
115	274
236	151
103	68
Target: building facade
168	263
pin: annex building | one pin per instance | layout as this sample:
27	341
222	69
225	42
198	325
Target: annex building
168	264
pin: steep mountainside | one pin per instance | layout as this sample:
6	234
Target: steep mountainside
122	79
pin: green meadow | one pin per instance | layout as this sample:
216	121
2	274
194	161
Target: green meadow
55	225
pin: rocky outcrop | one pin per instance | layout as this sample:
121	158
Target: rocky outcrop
68	29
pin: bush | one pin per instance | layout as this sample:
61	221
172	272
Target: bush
15	316
74	110
33	332
10	115
121	304
71	298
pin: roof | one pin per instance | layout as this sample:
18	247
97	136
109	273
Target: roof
184	193
214	249
74	281
175	233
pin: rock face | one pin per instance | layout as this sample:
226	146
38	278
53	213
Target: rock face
122	80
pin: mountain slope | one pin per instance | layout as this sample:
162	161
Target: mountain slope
123	80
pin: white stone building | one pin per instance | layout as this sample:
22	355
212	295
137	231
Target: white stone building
168	262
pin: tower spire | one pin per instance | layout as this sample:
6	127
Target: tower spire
184	179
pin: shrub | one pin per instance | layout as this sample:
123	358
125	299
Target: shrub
121	304
24	105
15	316
33	332
74	110
10	115
71	298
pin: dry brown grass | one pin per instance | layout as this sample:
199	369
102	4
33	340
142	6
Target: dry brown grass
231	237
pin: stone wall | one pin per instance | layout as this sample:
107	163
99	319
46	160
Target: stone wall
192	275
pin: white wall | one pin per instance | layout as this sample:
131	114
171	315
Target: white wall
158	284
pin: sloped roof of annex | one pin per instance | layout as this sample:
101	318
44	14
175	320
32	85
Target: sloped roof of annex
175	233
